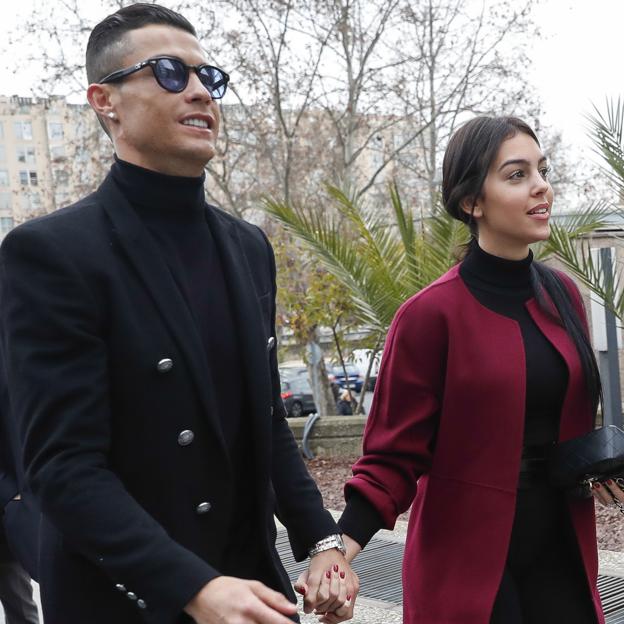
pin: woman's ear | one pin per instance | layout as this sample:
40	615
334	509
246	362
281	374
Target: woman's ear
471	207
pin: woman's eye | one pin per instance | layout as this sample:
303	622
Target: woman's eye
545	172
517	175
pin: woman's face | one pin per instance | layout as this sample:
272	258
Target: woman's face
516	200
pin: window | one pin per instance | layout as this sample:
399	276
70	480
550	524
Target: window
23	130
28	178
30	201
55	130
1	130
61	176
6	225
2	153
4	177
5	201
57	153
26	155
61	199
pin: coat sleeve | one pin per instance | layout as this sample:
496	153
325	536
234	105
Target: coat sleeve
52	335
299	502
401	427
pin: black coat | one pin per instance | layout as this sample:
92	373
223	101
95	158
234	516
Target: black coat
19	520
89	316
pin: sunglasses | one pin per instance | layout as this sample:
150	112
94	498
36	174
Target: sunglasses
173	75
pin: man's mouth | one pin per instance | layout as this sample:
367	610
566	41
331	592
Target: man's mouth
196	123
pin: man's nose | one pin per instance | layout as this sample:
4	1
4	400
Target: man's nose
195	90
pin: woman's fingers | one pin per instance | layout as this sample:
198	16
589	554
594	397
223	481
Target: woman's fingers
615	490
601	493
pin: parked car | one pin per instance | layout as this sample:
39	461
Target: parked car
354	380
288	370
297	396
360	358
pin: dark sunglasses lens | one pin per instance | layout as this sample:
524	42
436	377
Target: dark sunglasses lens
171	75
214	80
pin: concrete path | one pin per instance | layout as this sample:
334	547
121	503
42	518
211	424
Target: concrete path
369	611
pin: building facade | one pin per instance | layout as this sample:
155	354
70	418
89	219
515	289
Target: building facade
50	154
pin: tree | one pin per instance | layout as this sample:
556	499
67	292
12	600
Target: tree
378	264
310	298
353	92
385	263
607	134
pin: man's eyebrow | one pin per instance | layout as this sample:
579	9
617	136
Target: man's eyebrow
520	161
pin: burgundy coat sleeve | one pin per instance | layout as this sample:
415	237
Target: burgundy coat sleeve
400	432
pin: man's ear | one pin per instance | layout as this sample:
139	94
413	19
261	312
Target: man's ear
100	99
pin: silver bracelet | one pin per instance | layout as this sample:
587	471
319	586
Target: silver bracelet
327	543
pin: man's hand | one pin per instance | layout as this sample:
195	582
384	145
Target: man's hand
226	600
329	587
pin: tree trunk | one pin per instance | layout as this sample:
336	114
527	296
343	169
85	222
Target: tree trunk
317	371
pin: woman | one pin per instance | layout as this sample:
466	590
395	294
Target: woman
483	371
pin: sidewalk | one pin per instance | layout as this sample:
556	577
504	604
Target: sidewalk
368	610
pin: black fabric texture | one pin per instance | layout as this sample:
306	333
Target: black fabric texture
173	210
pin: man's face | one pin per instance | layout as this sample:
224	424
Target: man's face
150	131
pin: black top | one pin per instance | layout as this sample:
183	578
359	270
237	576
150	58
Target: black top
173	209
503	286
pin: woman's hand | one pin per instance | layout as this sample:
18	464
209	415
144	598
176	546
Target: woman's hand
609	492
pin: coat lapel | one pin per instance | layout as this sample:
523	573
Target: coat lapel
144	255
246	310
576	416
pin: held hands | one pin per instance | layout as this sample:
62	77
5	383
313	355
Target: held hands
610	492
330	586
229	600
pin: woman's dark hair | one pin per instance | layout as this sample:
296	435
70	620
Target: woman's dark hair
467	160
107	43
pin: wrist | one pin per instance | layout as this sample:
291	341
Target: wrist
353	548
327	543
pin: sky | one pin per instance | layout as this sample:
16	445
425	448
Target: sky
576	59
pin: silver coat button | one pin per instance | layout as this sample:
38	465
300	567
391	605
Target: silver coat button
203	508
164	365
185	437
270	343
120	587
131	595
141	604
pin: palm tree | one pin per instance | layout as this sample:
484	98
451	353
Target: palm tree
573	245
381	260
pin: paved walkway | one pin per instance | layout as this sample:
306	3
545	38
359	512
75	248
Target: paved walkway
368	611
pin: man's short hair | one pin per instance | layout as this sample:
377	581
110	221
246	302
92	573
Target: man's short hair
108	45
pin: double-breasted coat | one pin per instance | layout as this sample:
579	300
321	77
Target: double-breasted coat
120	439
445	432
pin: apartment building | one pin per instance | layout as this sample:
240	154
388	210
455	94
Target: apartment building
49	156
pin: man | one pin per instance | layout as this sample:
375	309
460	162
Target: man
138	327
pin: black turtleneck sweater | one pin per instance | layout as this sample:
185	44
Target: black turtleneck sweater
503	286
173	210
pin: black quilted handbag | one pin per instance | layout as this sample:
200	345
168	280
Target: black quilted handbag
598	455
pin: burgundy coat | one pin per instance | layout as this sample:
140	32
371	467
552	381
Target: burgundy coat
445	433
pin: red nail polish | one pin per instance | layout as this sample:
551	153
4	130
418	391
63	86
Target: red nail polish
328	574
342	574
596	485
349	597
335	567
609	482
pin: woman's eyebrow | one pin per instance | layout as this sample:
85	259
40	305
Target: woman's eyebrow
520	161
